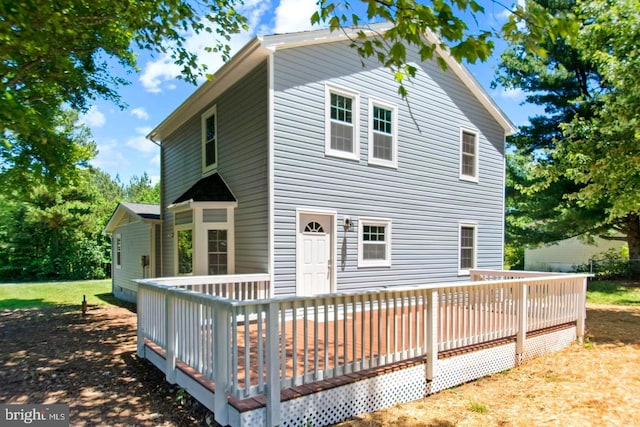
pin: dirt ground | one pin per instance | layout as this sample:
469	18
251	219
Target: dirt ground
55	355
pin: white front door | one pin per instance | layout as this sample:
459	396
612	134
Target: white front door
313	254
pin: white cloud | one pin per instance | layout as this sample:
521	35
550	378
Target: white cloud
158	75
140	141
155	160
110	157
514	94
140	113
294	15
154	178
93	118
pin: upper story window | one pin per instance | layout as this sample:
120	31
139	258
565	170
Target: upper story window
468	155
383	130
209	140
374	242
341	127
467	248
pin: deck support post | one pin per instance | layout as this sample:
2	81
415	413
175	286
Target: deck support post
170	339
273	365
522	323
432	334
582	308
221	345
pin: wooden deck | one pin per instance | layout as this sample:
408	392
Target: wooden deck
272	355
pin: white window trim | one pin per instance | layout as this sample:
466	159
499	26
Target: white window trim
203	130
118	261
200	263
476	177
467	271
393	163
176	229
328	151
380	222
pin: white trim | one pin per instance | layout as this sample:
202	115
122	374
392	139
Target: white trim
378	222
328	90
211	112
463	176
474	225
190	204
271	173
393	163
118	238
333	215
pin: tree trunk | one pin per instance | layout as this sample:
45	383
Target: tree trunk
633	241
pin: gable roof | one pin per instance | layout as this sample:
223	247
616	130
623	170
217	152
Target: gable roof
260	47
145	212
211	188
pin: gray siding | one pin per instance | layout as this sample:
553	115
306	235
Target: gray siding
242	162
424	197
136	241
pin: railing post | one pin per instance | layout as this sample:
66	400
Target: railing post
273	365
221	346
170	338
432	334
522	323
582	309
140	331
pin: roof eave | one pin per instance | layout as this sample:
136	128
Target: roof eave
230	73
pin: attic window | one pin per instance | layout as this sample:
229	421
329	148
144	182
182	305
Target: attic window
341	127
209	140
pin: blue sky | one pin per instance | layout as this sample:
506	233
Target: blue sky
155	92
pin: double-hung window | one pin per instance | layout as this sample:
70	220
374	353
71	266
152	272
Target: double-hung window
209	140
383	145
118	254
468	155
374	242
467	248
341	123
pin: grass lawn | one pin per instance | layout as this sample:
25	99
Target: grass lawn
612	292
40	295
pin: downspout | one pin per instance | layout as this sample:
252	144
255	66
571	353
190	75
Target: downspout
150	138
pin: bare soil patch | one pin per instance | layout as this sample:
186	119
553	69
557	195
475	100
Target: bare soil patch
595	384
55	355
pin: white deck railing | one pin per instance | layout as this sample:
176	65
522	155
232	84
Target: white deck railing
259	346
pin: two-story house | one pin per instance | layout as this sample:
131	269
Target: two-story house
298	161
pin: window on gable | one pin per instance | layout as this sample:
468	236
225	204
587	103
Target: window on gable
209	140
118	251
383	146
374	242
468	155
342	123
467	249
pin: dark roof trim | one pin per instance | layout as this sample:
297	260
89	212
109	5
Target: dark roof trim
211	188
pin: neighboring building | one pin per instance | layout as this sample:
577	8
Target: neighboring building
566	255
297	161
135	231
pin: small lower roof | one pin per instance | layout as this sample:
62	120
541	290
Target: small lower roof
211	188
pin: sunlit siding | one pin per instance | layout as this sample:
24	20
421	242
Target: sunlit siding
242	162
136	242
424	197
